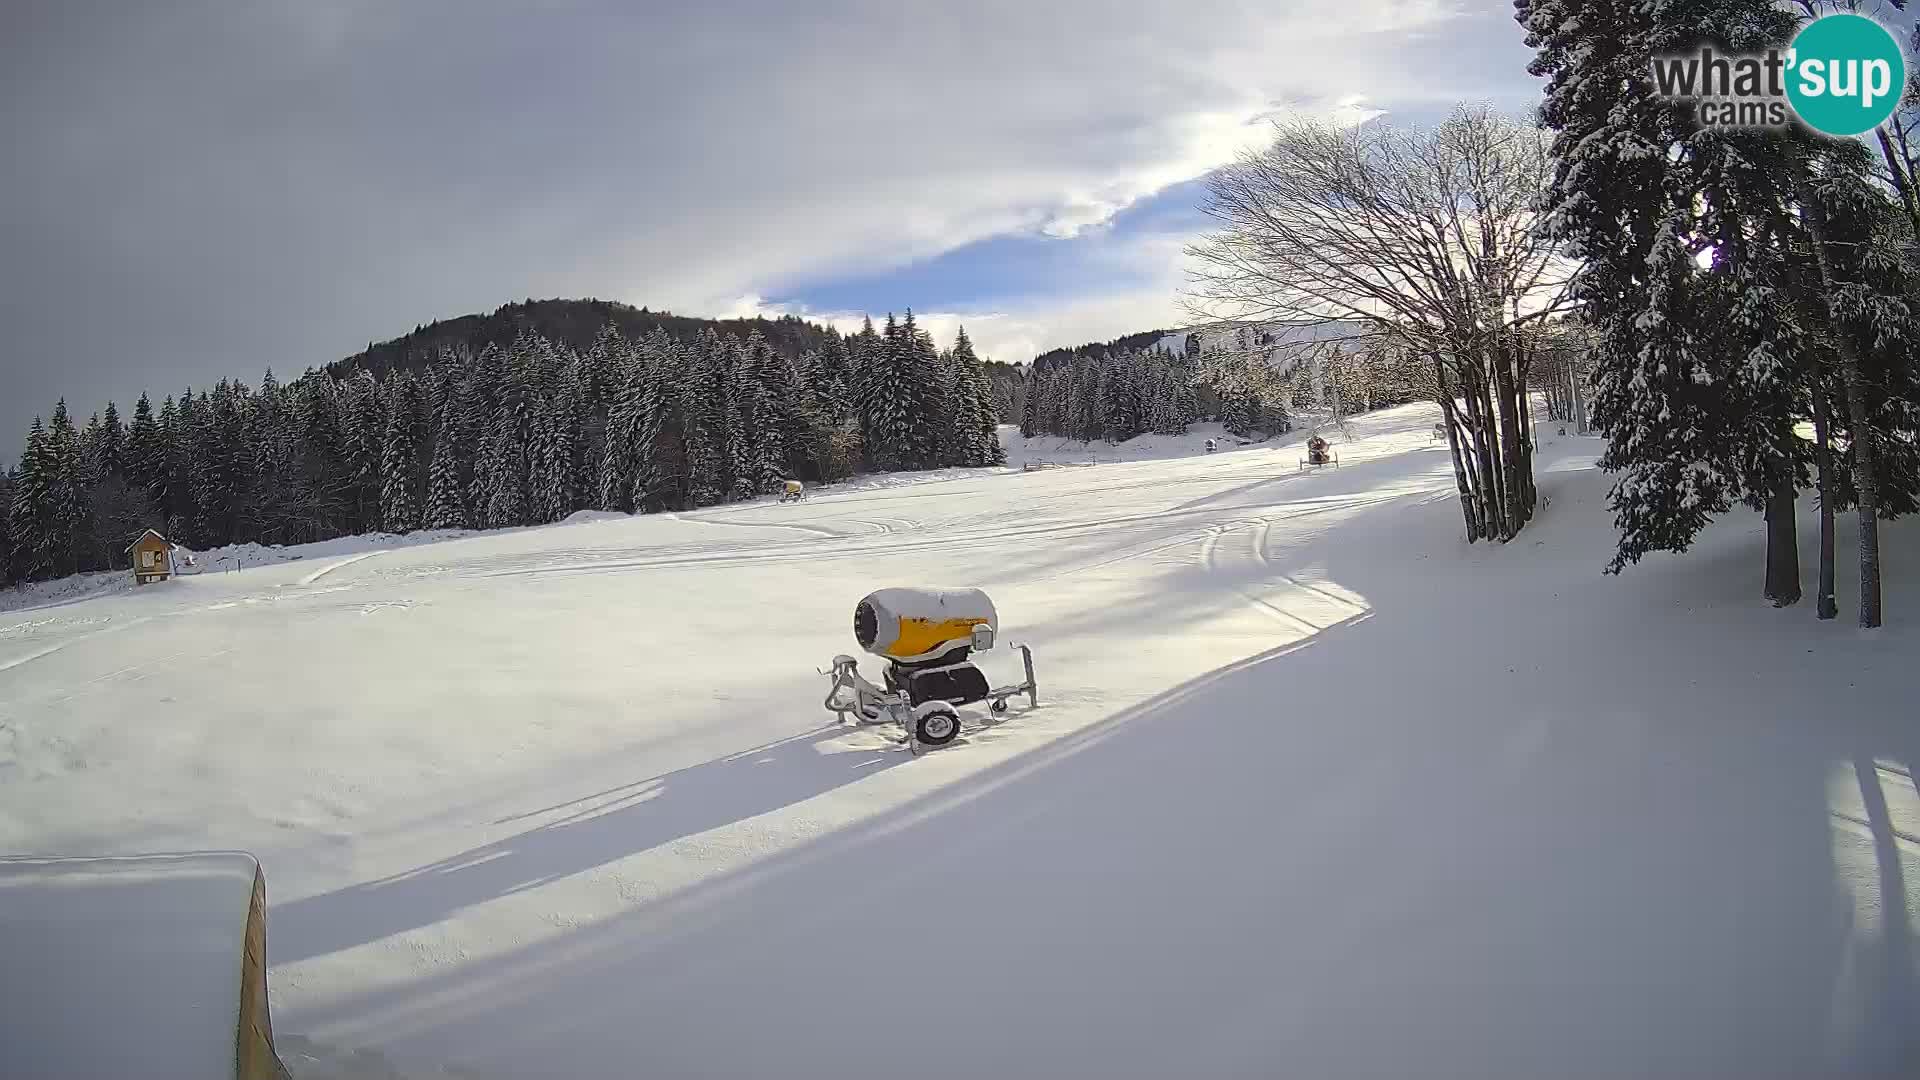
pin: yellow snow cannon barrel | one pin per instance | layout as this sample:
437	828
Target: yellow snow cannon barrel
909	625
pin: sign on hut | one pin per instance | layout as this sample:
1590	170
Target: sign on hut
152	558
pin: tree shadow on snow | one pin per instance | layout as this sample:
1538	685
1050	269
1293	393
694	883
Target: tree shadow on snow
576	836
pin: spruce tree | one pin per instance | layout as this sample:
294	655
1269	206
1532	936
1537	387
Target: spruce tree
552	480
702	406
502	475
925	404
67	492
145	453
400	479
1701	372
656	482
446	492
621	448
887	429
1030	414
33	509
8	478
763	390
978	430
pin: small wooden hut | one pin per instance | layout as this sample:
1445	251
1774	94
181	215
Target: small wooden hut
152	558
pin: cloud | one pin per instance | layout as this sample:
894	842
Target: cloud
1150	264
203	190
1013	335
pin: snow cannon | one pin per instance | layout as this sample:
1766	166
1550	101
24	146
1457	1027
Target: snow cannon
914	626
925	636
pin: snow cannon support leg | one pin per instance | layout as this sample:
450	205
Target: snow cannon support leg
997	698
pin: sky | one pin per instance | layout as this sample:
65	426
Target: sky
194	190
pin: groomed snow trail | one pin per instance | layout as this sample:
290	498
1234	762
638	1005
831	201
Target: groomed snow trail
1315	788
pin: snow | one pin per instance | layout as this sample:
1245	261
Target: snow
1314	788
122	967
1064	451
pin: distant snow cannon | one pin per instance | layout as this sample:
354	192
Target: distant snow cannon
925	636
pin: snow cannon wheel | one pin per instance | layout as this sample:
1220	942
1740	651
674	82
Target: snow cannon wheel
999	706
937	726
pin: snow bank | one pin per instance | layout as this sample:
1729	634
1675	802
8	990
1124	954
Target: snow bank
66	590
242	556
130	967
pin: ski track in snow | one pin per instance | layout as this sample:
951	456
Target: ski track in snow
6	665
1313	788
338	564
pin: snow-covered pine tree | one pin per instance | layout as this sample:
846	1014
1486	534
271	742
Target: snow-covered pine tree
829	377
587	428
980	435
953	421
800	428
480	400
270	434
323	458
605	363
1030	412
363	429
7	480
446	491
502	474
553	466
927	402
400	480
886	402
227	462
1621	204
67	492
32	515
1700	372
660	476
175	495
620	450
765	391
91	437
1083	420
863	352
145	454
702	406
1863	284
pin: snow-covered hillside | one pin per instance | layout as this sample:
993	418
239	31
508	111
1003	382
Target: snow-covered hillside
1314	788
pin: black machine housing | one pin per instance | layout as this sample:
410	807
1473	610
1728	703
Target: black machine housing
949	677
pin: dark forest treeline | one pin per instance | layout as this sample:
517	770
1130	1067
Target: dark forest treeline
1126	388
519	433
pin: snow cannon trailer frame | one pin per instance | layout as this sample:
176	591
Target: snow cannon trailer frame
925	636
1319	455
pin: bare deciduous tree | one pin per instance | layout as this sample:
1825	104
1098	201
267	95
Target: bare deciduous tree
1428	238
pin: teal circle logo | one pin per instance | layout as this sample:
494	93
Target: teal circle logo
1845	74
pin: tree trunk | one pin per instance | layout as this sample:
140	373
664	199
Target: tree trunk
1515	436
1577	394
1479	425
1469	508
1501	440
1902	178
1783	541
1824	605
1860	429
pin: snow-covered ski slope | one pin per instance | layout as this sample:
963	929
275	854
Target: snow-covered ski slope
1315	789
